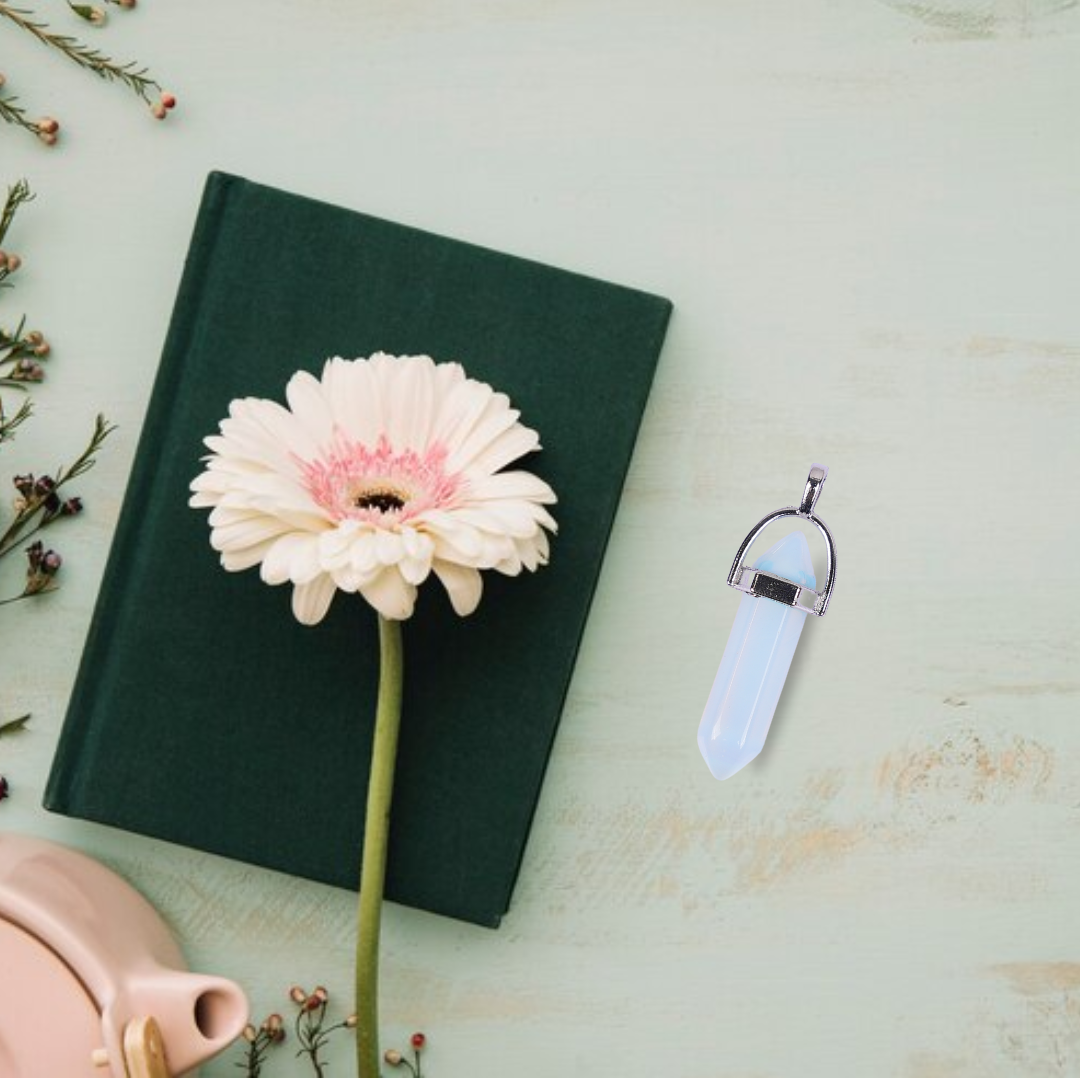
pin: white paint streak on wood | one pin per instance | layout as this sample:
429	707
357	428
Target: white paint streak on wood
867	214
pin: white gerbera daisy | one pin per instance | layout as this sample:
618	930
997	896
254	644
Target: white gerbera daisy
376	475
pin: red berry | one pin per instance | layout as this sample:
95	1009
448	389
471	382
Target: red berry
168	100
418	1040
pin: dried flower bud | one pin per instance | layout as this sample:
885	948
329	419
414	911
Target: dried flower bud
48	126
249	1033
35	337
48	138
273	1022
418	1040
34	554
88	12
19	504
393	1057
159	111
13	263
168	99
350	1020
42	349
27	370
24	484
312	1004
298	994
71	507
51	562
44	485
321	993
126	3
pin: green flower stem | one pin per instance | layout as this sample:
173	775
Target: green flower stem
376	831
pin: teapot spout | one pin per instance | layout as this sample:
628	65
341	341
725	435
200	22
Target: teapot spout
198	1015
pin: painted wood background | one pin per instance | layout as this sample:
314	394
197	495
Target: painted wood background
867	213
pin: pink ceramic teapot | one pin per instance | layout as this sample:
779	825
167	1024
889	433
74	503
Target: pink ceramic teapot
91	981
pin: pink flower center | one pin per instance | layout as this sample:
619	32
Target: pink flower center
380	485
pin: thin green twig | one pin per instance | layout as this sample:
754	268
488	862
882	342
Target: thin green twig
18	194
8	423
13	113
137	79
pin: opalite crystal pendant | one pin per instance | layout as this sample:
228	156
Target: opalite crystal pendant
780	593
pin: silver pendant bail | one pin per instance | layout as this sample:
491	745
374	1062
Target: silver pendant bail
814	483
762	583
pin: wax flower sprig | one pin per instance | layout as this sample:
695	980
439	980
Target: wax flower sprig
39	500
398	1060
259	1041
312	1032
134	76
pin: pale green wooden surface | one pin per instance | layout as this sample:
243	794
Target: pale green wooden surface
868	216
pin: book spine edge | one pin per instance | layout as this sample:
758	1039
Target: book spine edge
62	792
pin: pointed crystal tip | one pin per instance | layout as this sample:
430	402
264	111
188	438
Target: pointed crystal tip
790	558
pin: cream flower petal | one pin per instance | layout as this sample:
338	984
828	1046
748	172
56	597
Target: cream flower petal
463	584
507	447
277	564
309	405
494	422
390	594
245	558
379	472
244	533
311	601
512	485
411	403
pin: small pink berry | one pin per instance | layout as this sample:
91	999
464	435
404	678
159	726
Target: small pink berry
159	111
321	993
42	349
298	994
13	263
48	125
168	100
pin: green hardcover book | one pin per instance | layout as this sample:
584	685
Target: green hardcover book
203	713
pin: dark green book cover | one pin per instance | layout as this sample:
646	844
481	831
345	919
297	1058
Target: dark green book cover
203	713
